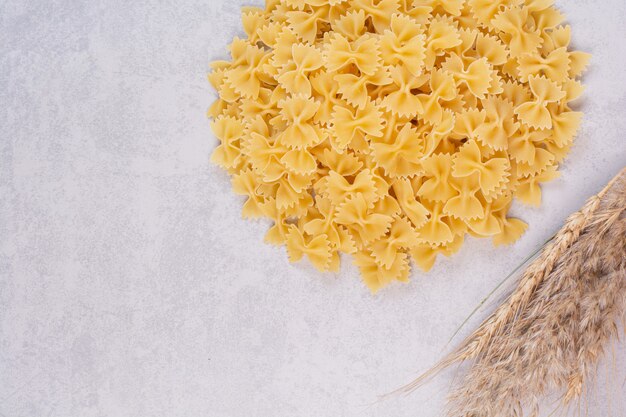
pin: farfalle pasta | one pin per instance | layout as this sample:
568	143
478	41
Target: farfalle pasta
390	130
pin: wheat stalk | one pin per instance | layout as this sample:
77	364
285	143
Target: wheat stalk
552	329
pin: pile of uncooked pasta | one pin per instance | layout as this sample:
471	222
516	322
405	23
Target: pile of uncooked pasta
392	129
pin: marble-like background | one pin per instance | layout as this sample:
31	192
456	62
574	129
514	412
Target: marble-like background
129	284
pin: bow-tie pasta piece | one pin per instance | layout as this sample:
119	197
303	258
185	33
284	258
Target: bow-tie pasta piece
355	89
499	123
246	183
229	131
512	25
401	236
490	172
404	44
442	36
365	224
525	144
388	130
465	205
443	89
352	127
300	130
535	113
554	65
476	76
294	76
400	157
437	230
322	221
246	72
339	189
317	248
403	100
363	54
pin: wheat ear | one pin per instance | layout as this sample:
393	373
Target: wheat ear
553	328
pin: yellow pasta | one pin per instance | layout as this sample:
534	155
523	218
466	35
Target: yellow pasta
392	129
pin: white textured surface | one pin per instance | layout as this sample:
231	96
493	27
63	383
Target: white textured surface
129	284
